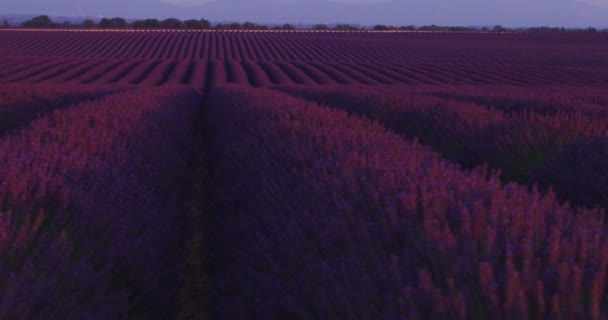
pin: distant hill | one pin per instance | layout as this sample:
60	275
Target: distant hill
512	13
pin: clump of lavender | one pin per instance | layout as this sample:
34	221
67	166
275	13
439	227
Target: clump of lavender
517	142
108	178
322	215
580	172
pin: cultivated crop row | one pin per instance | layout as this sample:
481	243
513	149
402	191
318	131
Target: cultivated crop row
20	104
414	48
203	73
523	142
307	58
322	215
92	210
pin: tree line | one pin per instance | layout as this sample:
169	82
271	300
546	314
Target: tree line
45	22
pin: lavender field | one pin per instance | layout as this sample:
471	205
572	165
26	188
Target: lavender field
303	175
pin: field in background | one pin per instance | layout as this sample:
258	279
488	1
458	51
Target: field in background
206	59
303	175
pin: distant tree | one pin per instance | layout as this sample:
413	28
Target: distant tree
114	23
152	24
6	24
285	26
88	24
253	26
105	23
429	28
193	24
39	22
343	26
249	25
542	29
138	24
119	23
146	24
235	26
320	26
410	28
67	24
205	24
457	28
172	23
221	26
499	28
381	27
591	29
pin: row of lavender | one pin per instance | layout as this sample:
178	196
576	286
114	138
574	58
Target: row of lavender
207	73
20	104
92	216
416	48
325	215
557	140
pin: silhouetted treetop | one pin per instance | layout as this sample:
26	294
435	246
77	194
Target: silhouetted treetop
39	22
114	23
172	23
88	24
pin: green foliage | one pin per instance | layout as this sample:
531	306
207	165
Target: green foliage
410	27
235	26
498	28
205	23
343	26
285	26
146	24
88	24
172	23
40	22
253	26
381	27
197	24
114	23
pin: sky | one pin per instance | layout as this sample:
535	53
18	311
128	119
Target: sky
511	13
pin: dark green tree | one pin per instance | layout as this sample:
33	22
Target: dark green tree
285	26
409	28
114	23
138	24
152	24
193	24
429	28
172	23
235	26
344	26
88	24
253	26
249	26
39	22
205	23
381	27
499	28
